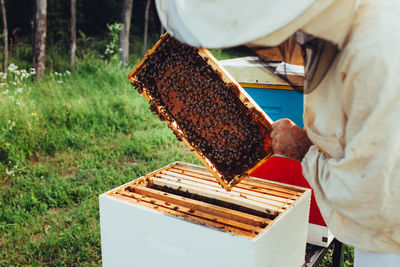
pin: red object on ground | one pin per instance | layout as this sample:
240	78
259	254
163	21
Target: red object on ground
290	172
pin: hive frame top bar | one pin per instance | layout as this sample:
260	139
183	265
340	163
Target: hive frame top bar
250	104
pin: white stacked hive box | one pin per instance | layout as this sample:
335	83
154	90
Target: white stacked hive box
180	216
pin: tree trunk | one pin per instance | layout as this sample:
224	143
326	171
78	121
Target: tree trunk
5	36
126	15
33	24
39	47
146	25
73	33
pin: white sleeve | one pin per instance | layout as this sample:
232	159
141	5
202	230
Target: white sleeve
362	188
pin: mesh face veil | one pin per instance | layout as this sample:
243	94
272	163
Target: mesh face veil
319	55
316	55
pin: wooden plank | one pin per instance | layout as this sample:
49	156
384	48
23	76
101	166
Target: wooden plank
193	212
267	86
280	200
248	182
231	194
241	186
204	207
262	207
186	215
296	190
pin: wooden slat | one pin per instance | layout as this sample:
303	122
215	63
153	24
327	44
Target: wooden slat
295	190
231	194
248	181
203	206
267	86
183	213
270	189
273	200
262	207
193	212
268	193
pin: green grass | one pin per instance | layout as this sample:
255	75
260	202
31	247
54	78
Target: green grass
65	140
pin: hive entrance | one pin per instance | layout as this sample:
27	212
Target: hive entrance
190	192
205	108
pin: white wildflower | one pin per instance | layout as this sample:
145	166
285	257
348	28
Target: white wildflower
18	103
12	67
11	124
60	81
10	172
2	84
24	74
15	166
5	92
20	90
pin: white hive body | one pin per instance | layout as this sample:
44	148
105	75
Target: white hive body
180	216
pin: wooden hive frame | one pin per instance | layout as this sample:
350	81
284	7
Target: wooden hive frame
261	202
249	103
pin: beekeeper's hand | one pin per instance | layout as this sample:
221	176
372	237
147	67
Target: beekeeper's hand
289	140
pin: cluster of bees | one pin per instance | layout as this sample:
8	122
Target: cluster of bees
184	88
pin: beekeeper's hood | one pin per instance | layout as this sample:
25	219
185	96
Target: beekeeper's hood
226	23
324	25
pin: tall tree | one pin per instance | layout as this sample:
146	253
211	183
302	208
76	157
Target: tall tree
73	33
146	25
39	46
5	36
126	15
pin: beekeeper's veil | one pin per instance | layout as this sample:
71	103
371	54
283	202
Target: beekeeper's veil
284	24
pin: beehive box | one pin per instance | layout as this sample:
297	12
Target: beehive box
206	108
180	216
275	96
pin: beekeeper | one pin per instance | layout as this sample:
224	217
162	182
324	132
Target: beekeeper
350	148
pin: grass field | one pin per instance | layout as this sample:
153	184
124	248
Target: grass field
63	141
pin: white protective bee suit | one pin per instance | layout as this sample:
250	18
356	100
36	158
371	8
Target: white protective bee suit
352	117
